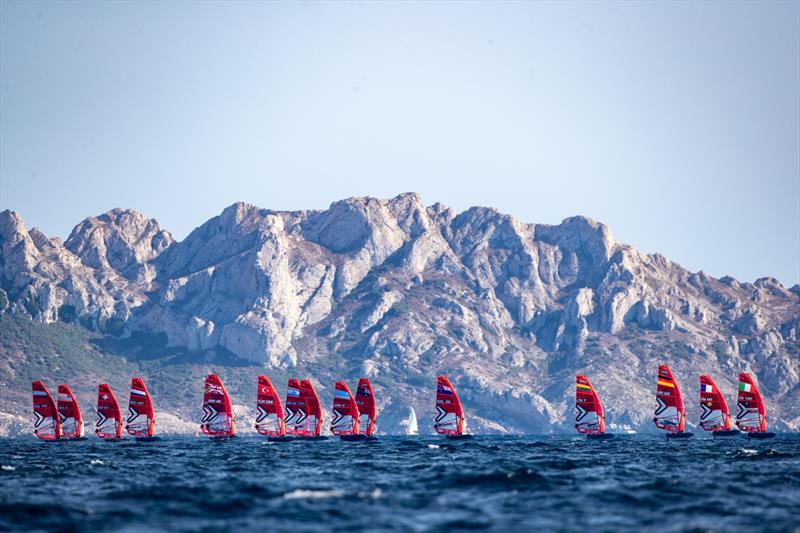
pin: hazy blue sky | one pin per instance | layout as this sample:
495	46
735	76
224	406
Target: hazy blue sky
677	124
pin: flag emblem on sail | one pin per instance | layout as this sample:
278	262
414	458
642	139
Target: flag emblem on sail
109	417
296	410
715	415
752	413
449	413
669	412
367	410
345	411
589	417
303	410
270	418
218	419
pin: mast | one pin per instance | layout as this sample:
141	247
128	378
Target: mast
70	413
669	413
296	410
715	415
47	423
141	419
218	419
411	423
315	417
449	413
752	413
365	398
270	420
109	418
589	416
345	411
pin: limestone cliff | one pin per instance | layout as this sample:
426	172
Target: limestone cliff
400	291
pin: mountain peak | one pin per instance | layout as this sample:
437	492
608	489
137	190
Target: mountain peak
123	240
399	289
582	236
235	213
11	223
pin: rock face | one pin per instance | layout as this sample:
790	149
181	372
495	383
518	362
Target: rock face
120	241
399	291
99	276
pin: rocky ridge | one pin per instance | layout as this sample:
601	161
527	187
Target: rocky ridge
400	291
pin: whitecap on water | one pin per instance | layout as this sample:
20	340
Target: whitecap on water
373	494
301	494
433	446
7	468
748	451
98	462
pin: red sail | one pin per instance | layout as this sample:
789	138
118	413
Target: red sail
70	413
140	410
218	419
345	411
752	414
669	414
365	399
314	407
109	418
589	417
297	420
449	414
47	424
715	415
269	420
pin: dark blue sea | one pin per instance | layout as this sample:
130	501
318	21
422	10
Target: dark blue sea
555	483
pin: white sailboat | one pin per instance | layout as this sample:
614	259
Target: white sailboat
411	422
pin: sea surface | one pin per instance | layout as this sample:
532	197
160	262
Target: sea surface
634	482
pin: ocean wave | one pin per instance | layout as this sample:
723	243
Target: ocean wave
303	494
520	477
769	453
401	484
371	495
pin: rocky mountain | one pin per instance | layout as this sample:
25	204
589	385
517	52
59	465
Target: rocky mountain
398	291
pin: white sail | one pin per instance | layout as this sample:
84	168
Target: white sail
411	423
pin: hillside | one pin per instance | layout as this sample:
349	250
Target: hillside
393	290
